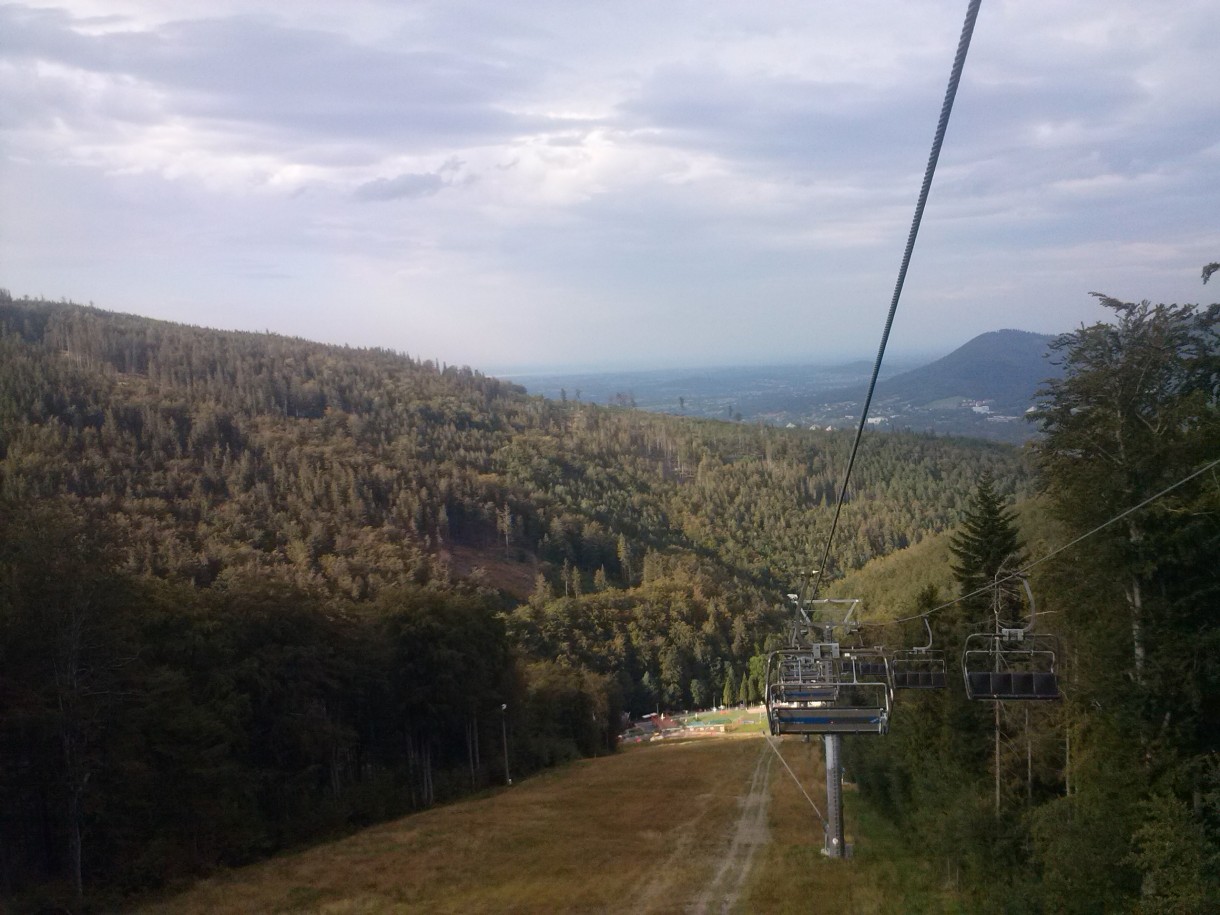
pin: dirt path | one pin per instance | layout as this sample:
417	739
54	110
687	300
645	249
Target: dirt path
749	834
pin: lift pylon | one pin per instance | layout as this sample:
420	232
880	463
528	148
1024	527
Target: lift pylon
819	685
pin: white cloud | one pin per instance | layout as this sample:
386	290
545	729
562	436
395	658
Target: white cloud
545	168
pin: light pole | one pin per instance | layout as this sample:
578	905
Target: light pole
504	734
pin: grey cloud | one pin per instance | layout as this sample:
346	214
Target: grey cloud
780	120
719	257
408	185
297	81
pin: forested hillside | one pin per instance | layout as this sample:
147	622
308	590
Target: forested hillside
1108	800
342	469
291	586
255	590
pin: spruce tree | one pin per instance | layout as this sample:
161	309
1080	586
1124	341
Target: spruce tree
986	547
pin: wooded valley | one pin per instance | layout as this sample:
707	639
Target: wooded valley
255	591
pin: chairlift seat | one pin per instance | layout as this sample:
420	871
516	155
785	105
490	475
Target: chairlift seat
804	693
829	720
996	667
871	668
1016	685
918	668
919	679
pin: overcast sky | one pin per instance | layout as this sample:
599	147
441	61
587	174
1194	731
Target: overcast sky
608	184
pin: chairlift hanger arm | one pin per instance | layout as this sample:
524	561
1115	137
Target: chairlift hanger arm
851	602
1012	631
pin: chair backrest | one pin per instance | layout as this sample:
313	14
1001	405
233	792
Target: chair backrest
1015	685
829	720
1023	668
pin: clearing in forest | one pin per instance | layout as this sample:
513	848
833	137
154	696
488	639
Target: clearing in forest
689	826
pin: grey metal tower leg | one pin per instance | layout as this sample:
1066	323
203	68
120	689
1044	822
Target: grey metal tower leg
834	798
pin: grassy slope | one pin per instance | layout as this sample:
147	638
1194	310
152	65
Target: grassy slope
642	831
887	586
885	876
631	832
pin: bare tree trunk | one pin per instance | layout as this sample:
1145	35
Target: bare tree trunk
411	767
68	671
1067	760
470	750
1135	601
75	845
76	777
997	758
1029	762
429	794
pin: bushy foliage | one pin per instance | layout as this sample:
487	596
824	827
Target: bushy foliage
302	606
1106	801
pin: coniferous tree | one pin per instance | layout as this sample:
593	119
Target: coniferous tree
987	545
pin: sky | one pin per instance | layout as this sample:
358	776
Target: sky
610	185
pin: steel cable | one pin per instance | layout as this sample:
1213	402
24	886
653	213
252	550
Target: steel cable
1055	552
771	743
955	75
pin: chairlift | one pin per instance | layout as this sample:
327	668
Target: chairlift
1012	663
871	664
818	691
822	688
921	667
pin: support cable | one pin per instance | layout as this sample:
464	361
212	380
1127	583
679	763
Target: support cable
946	109
771	743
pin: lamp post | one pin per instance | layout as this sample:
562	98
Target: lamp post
504	734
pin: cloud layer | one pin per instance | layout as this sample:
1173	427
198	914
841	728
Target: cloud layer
548	183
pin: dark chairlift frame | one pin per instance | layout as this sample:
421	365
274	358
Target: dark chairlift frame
921	667
1012	664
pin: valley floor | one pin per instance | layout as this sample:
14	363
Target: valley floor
700	826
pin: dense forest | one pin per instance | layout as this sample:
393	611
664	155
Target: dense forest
1108	801
256	590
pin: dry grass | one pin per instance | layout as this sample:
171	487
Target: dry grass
640	831
884	877
792	875
647	830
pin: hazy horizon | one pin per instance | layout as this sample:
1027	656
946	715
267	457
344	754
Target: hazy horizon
546	184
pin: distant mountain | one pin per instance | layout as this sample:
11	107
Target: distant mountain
1003	367
714	392
981	389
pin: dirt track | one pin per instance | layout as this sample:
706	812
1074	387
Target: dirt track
726	847
750	833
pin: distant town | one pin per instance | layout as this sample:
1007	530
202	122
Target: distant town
984	389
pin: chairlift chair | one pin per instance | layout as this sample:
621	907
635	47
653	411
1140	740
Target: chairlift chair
1012	663
870	664
921	667
817	690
